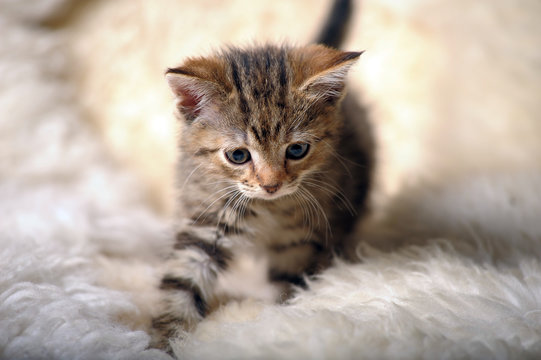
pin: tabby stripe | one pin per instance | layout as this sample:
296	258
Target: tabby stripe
220	255
276	129
230	229
167	325
236	78
264	132
246	63
283	70
283	79
170	282
243	104
268	61
256	134
294	279
256	93
285	247
205	151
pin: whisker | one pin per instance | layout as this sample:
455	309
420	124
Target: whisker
343	158
333	192
235	211
230	190
319	208
243	206
223	211
312	209
305	219
245	203
189	176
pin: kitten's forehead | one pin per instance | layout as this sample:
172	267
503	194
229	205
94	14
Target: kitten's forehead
261	80
259	72
267	107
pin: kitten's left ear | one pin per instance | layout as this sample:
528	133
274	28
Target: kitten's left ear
325	71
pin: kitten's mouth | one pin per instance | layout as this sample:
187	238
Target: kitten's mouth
269	195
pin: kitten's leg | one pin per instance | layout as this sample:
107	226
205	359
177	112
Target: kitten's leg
187	287
292	263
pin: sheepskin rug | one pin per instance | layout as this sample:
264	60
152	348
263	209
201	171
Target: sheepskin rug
450	257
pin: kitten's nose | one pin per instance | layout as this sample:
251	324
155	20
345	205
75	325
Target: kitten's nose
271	189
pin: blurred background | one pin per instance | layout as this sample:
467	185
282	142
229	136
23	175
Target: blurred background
452	85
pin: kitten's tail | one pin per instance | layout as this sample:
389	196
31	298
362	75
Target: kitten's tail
334	30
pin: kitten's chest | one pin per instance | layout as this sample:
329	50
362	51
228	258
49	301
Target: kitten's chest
288	234
280	224
282	236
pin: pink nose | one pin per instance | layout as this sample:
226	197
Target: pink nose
271	189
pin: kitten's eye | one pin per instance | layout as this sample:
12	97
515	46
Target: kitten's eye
297	151
238	156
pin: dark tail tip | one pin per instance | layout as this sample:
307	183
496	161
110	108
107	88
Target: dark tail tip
334	30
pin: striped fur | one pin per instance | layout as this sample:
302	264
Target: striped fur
294	213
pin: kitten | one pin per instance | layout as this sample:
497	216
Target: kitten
274	164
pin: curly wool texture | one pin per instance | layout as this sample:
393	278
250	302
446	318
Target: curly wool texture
60	204
450	260
435	296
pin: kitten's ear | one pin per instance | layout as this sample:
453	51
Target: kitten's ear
198	85
325	71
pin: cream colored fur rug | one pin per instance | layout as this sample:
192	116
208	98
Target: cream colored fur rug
451	256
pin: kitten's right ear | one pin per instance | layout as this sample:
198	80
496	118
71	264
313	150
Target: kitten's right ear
197	86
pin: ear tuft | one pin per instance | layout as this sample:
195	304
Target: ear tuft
197	85
191	93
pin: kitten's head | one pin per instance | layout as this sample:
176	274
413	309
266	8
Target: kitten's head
262	119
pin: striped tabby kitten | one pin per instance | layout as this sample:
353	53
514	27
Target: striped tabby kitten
273	166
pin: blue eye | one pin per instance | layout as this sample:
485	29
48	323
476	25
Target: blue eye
238	156
297	151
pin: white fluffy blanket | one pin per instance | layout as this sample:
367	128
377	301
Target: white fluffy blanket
451	257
